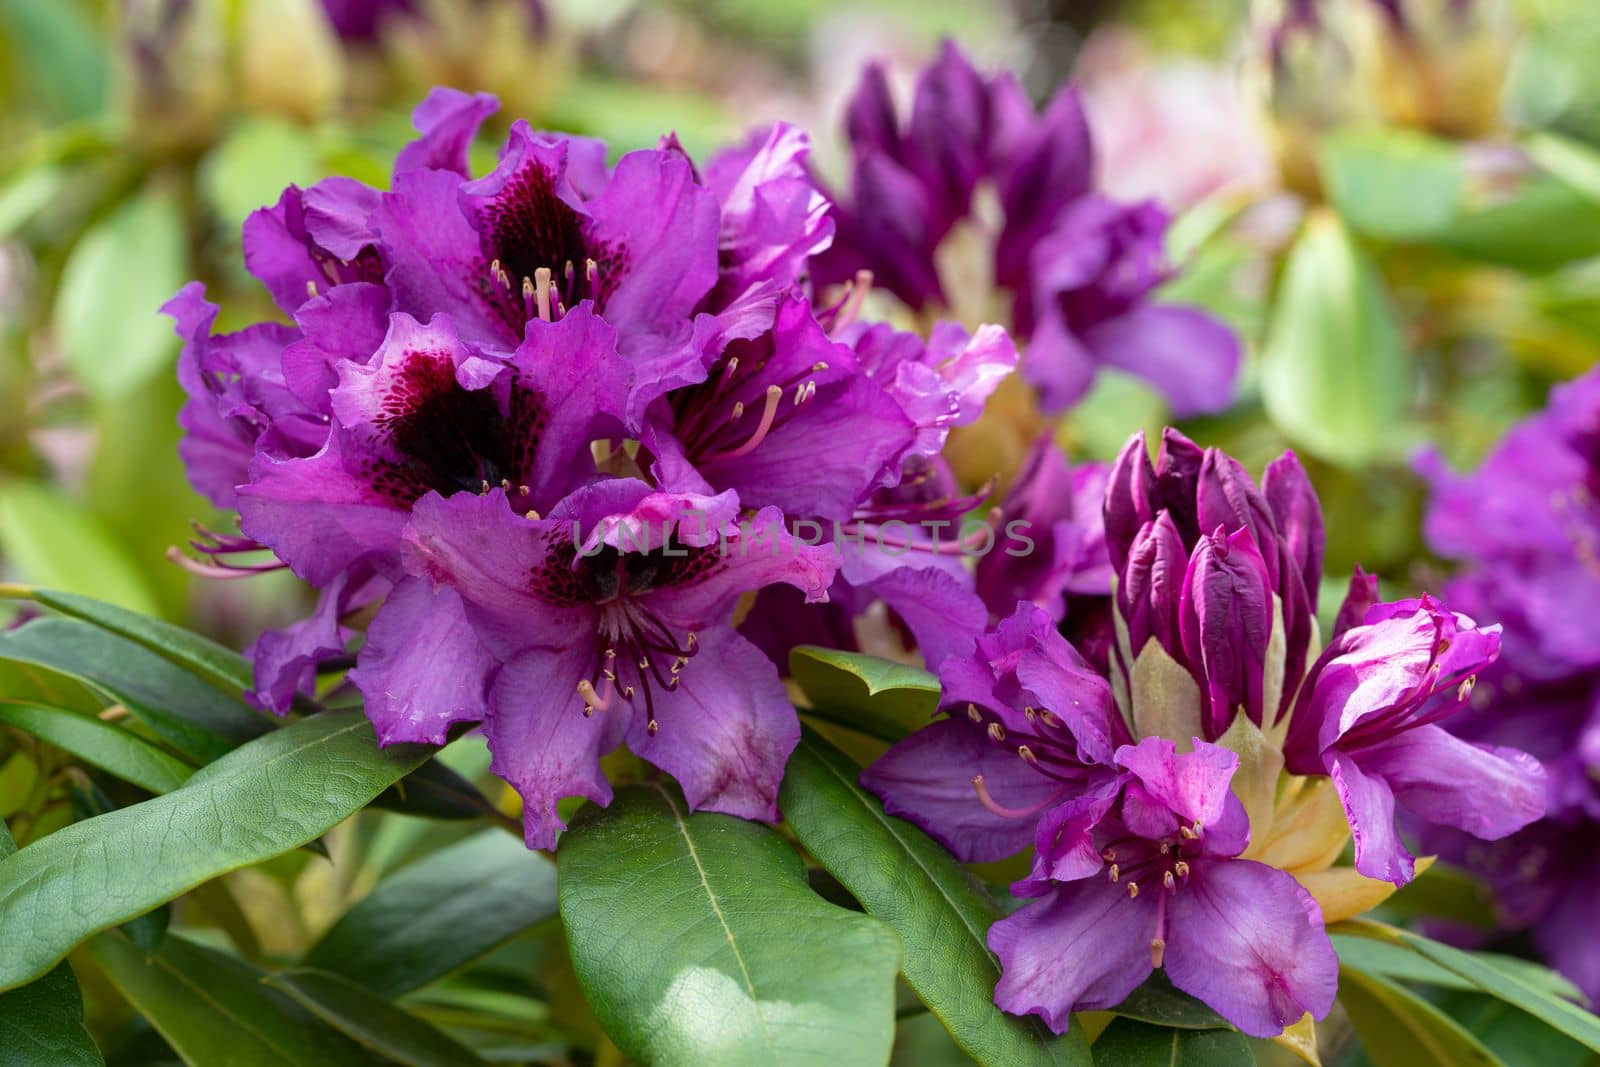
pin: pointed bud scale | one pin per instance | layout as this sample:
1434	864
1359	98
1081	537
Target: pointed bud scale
1130	502
1227	497
1177	480
1148	594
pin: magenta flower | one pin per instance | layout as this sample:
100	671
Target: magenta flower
1080	268
1154	881
620	635
1367	717
1030	727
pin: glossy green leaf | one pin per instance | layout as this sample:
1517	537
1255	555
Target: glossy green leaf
1511	985
41	1024
266	798
50	539
205	659
1156	1001
1512	1034
108	747
1397	184
187	713
1401	962
440	913
437	792
942	914
1334	375
371	1021
214	1009
117	277
697	940
1126	1043
1397	1028
875	696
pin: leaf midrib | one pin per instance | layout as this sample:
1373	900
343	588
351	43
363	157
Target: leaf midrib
711	896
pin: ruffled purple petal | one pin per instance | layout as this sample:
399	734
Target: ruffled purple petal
725	731
1248	940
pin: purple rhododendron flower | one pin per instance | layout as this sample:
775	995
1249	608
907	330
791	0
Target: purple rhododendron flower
1525	525
543	429
1155	881
1367	717
1080	268
621	636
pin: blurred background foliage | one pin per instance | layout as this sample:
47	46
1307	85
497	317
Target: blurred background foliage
1406	233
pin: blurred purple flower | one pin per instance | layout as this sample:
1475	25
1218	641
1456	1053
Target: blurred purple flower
1080	268
1526	528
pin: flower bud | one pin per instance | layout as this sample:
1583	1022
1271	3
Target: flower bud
291	63
1225	618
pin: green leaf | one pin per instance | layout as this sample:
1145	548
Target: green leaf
187	713
1572	161
113	283
1546	224
1492	976
1401	962
877	697
52	540
440	913
41	1024
902	876
108	747
265	798
1156	1001
204	658
214	1009
1397	184
1334	375
1513	1035
372	1021
1126	1043
697	940
435	791
59	55
26	194
1397	1028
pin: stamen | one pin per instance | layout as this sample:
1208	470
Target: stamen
850	310
1116	872
770	412
1027	755
541	291
1108	854
997	732
652	727
1186	833
1167	880
738	411
1464	690
1181	868
1133	890
1004	812
974	714
311	289
531	515
1158	951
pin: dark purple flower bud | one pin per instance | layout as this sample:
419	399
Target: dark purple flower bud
1225	622
1130	499
1151	587
1361	598
1297	516
1177	481
1227	499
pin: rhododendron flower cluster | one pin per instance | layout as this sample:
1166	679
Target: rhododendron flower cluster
1150	787
587	448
